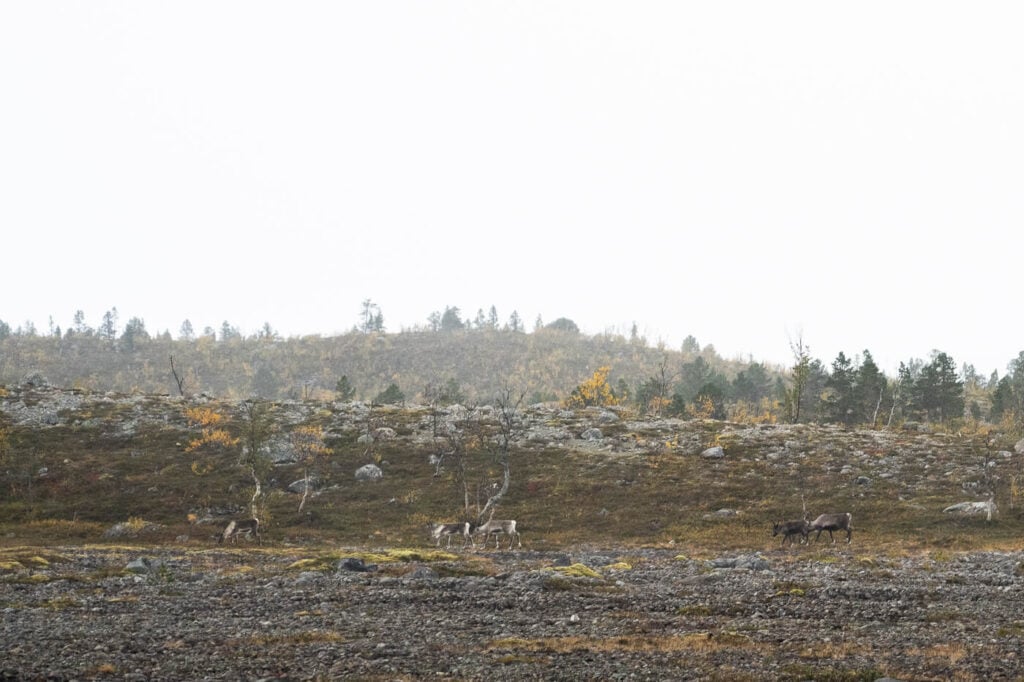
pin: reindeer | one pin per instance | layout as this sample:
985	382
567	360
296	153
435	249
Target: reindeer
439	530
250	527
831	522
790	528
496	528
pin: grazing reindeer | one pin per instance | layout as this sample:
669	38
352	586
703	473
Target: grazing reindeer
496	528
790	528
250	527
439	530
831	522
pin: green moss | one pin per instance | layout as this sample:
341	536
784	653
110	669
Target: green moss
576	571
313	564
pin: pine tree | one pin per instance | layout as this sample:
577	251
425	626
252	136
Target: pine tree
938	392
869	390
345	389
391	395
108	329
451	320
839	400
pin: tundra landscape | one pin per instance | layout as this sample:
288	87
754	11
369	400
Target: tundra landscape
642	548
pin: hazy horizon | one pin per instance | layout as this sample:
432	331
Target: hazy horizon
744	173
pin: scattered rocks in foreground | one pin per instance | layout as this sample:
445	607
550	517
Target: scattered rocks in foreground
610	614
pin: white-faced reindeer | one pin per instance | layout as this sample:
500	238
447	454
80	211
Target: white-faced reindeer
440	530
496	528
788	529
250	527
831	522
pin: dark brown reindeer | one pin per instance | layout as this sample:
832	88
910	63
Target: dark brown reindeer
832	522
788	529
250	527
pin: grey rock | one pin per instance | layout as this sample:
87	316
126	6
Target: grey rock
369	472
750	562
144	565
357	565
716	452
300	485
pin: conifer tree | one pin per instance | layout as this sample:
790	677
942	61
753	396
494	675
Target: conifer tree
839	402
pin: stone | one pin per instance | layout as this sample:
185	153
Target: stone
369	472
356	564
300	485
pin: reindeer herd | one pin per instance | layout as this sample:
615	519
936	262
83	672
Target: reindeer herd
467	530
496	528
803	527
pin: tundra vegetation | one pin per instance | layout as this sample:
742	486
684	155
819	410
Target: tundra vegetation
646	512
657	467
78	462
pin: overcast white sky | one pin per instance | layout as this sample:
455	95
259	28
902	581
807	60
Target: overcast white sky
745	172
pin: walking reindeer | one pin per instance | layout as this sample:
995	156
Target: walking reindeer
497	528
833	522
440	530
250	527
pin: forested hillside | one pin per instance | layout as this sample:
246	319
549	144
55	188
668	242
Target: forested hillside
472	363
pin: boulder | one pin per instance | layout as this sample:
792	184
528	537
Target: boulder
717	452
144	565
369	472
300	485
721	514
357	565
988	508
35	379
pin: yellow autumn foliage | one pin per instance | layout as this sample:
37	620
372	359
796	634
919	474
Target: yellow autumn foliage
211	432
308	442
703	407
595	391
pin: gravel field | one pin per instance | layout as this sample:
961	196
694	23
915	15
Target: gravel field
246	614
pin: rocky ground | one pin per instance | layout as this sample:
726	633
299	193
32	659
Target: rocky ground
249	614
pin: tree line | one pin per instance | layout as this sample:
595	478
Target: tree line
458	360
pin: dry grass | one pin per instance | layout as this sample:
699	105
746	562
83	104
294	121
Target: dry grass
949	652
656	497
837	651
